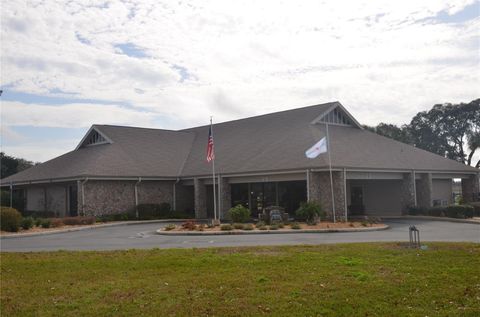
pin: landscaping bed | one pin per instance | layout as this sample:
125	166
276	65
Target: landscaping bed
191	227
359	279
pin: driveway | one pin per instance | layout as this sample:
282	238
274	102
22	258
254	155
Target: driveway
142	236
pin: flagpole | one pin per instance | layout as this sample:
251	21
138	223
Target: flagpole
330	168
213	177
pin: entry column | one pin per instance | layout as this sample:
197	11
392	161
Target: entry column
424	190
320	191
200	197
408	194
225	197
470	188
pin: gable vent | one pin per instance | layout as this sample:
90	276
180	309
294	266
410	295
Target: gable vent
336	116
95	138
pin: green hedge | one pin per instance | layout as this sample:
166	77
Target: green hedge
147	212
452	211
476	208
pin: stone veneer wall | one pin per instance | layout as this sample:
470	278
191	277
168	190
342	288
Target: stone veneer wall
225	198
320	192
407	192
113	197
470	188
200	191
107	197
424	190
155	192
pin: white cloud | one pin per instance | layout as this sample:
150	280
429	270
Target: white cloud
72	115
40	151
385	60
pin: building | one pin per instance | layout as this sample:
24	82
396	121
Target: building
260	161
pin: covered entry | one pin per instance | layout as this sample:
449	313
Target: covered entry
259	195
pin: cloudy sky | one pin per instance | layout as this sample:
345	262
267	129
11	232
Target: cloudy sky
66	65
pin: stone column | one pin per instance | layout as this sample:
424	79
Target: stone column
225	197
200	194
320	192
470	188
424	191
408	192
80	207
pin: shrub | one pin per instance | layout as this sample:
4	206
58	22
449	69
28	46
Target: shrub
27	223
262	228
239	214
200	227
226	227
437	211
77	221
238	225
309	211
170	227
295	225
38	222
364	223
10	219
248	227
416	211
88	220
476	208
280	225
274	227
148	211
260	224
189	225
56	222
459	211
45	223
155	211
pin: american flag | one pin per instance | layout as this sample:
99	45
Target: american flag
210	151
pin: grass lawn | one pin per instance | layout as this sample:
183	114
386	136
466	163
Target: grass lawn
379	279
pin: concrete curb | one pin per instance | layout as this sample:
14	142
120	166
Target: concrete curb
432	218
219	233
110	224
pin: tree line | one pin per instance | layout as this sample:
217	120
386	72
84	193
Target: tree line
11	165
449	130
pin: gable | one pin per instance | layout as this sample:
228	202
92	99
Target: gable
94	137
337	115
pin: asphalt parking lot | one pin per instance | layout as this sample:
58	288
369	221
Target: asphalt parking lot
143	236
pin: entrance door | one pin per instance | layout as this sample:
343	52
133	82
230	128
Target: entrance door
356	201
72	200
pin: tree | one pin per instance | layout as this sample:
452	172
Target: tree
11	165
449	130
391	131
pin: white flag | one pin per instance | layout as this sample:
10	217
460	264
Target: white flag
317	149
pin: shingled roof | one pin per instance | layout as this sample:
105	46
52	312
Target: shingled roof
272	142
